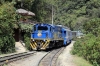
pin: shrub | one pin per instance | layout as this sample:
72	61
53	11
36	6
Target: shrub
7	23
88	48
27	40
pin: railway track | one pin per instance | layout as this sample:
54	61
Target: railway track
14	57
50	58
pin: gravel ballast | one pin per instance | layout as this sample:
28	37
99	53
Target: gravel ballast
30	61
65	59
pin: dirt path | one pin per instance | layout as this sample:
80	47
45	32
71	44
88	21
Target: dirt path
66	59
19	47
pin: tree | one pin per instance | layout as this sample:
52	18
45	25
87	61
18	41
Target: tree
7	23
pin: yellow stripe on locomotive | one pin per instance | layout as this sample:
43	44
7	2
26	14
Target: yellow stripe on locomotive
39	44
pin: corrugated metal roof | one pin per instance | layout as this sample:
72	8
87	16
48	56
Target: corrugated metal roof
25	12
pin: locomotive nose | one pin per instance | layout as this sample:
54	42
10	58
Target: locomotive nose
39	43
39	34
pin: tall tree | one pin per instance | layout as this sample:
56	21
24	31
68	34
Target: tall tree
7	24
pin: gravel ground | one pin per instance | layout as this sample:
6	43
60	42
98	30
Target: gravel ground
30	61
19	47
66	59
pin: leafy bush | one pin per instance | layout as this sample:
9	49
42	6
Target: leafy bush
88	47
7	44
7	23
92	26
27	40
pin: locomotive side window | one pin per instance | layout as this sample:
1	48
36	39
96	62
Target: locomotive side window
68	33
64	32
42	28
51	29
34	29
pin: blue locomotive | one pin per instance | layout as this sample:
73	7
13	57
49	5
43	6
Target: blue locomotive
45	36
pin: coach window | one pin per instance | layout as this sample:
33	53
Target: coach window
51	29
64	32
68	33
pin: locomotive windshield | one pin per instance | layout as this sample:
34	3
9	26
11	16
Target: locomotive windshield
42	28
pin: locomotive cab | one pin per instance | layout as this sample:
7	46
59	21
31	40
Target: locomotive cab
41	36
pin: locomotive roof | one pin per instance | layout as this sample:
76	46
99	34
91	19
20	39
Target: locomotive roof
43	24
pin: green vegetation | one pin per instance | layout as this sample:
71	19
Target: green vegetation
27	40
79	61
81	15
88	46
7	23
26	27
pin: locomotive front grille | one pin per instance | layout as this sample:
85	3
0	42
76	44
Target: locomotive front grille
39	44
33	45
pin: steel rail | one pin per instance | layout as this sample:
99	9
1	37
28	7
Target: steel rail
13	57
43	58
47	60
55	57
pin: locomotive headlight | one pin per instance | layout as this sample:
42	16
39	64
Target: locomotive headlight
39	34
33	39
44	40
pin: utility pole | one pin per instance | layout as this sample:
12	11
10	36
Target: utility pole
52	15
21	3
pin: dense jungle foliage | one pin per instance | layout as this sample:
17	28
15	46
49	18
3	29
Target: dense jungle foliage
7	23
88	46
83	15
